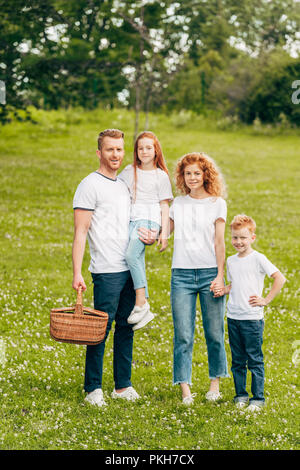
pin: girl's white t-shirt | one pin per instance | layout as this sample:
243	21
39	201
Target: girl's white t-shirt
108	234
152	187
194	231
246	274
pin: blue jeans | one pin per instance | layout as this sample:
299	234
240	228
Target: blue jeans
186	284
114	294
135	255
245	339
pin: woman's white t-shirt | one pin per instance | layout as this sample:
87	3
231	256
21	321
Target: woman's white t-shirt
152	187
194	231
246	274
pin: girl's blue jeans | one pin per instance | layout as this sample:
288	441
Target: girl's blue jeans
186	285
135	255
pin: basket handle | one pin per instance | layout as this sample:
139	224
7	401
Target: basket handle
78	306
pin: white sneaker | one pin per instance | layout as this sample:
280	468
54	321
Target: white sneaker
95	397
138	313
241	404
213	396
189	400
129	394
148	317
254	408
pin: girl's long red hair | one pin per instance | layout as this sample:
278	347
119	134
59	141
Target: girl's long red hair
159	161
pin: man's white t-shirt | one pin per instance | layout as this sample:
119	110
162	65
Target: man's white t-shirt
108	234
194	231
152	187
246	275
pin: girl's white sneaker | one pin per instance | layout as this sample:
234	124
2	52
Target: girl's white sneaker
189	400
138	313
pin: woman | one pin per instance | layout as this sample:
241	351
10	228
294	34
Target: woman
198	220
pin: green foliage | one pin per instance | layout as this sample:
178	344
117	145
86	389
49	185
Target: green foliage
41	381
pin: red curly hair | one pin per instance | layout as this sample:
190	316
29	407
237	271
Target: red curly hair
213	180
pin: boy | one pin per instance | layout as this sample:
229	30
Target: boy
245	272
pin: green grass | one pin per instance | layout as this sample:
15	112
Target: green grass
41	381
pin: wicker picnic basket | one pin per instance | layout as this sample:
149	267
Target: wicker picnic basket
78	324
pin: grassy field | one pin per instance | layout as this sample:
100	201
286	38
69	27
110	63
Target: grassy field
41	381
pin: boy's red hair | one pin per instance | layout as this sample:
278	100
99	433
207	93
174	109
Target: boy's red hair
241	221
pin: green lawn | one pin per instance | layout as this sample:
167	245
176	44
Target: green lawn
41	381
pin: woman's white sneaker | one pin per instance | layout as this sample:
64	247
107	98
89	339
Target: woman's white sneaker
213	396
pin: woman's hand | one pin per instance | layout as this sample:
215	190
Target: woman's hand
217	286
163	242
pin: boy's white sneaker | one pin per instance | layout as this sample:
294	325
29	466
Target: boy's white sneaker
254	408
148	317
96	397
138	313
129	394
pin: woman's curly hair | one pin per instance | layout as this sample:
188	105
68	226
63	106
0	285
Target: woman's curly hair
213	181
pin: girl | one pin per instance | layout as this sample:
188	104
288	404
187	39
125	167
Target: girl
198	220
150	189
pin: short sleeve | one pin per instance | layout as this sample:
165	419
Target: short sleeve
265	266
228	272
222	210
165	188
126	175
171	212
85	196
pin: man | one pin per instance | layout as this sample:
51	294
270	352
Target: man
102	212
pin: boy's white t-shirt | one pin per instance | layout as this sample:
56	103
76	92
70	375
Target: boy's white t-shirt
152	187
194	231
246	275
108	234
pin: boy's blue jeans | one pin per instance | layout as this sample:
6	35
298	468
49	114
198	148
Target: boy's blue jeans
114	294
245	339
186	284
135	255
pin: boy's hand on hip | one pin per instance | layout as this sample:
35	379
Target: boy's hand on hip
257	301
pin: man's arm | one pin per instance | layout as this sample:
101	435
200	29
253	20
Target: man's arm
82	221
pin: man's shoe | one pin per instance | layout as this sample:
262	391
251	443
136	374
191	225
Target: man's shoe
95	397
138	313
129	394
148	317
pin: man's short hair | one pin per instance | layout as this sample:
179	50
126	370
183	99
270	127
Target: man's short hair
241	221
115	133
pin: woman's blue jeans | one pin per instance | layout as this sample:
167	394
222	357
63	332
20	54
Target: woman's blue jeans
186	284
135	255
